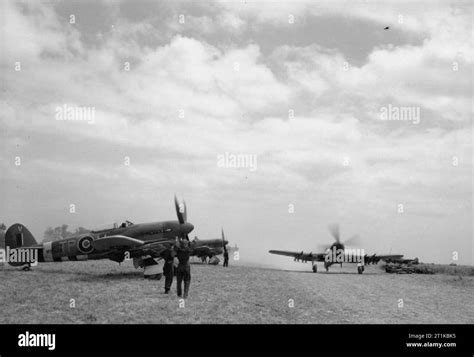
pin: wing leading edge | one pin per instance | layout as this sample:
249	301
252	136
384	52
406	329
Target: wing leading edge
299	255
108	243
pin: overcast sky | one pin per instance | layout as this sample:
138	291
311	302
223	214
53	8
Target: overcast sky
301	85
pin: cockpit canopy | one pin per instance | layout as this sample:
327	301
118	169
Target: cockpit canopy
123	224
108	227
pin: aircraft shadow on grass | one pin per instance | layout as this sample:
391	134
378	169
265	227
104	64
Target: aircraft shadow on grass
322	273
86	276
109	276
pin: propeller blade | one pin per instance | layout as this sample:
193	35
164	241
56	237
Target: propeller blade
353	241
334	229
185	212
223	239
180	210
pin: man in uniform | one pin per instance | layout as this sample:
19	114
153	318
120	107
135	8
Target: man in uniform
168	268
183	252
226	258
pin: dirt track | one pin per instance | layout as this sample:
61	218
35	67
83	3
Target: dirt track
104	292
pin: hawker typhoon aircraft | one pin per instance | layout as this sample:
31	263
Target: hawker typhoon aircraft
338	254
145	243
210	248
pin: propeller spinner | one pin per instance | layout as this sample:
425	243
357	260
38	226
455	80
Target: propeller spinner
224	242
335	232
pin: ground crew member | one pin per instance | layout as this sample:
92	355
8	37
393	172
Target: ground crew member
226	258
183	252
168	268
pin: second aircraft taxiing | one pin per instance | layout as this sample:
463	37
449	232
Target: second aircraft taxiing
337	253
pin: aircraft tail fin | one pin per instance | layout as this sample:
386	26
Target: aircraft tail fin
18	236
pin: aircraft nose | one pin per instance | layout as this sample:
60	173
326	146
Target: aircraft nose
226	242
188	227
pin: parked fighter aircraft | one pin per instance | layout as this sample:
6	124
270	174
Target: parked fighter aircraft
210	248
145	243
336	253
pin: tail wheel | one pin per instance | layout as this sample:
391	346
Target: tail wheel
26	267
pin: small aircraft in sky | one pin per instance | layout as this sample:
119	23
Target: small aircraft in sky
337	253
145	243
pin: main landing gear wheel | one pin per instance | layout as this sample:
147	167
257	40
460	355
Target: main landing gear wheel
315	268
360	269
153	270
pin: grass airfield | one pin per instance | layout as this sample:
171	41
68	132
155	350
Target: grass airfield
105	292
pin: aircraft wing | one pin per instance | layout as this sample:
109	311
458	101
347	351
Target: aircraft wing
118	244
155	249
300	255
390	257
113	242
374	259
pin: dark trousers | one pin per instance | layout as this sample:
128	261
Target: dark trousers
226	262
183	273
168	271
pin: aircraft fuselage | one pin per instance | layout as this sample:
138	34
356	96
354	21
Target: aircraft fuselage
79	247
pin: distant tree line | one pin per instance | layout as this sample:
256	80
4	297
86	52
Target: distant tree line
52	234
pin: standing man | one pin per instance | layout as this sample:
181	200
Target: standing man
168	268
183	252
226	258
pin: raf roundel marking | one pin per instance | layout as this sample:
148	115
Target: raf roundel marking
84	245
